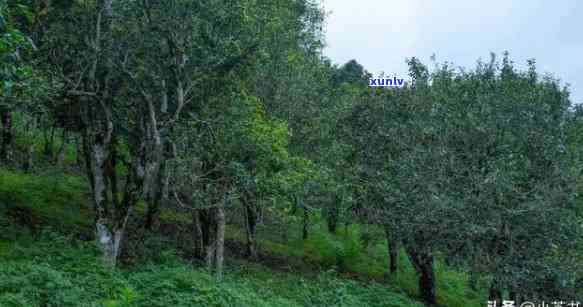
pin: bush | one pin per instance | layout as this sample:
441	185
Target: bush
26	284
325	249
53	199
181	286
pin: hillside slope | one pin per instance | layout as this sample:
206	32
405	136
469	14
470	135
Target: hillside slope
48	259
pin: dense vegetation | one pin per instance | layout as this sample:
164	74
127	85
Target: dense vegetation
143	142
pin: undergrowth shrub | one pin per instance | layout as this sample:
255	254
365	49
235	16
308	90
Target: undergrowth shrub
321	249
27	284
51	199
55	270
181	286
326	249
150	248
326	289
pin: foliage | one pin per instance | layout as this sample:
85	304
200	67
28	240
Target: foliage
13	44
57	271
53	199
182	110
467	162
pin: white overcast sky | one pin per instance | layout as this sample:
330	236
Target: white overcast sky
380	34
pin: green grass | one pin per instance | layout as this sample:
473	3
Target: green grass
53	270
49	199
344	252
326	289
62	202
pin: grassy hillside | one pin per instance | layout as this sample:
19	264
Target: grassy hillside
50	271
44	268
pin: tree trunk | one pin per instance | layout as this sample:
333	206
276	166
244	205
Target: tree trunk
423	264
158	155
156	201
106	235
153	214
332	218
209	254
495	293
393	246
79	153
111	216
220	242
305	223
208	230
7	136
29	159
99	144
109	242
49	141
151	191
197	235
251	226
60	158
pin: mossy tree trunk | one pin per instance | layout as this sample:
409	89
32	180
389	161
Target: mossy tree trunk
251	228
423	263
393	247
7	135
